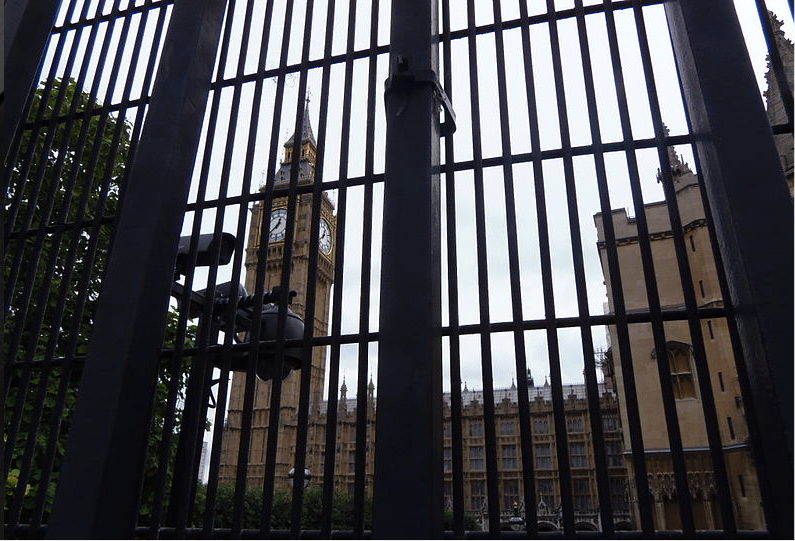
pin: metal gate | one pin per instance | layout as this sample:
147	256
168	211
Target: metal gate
216	217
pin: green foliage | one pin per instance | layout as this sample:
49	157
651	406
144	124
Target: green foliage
471	523
68	192
81	177
342	515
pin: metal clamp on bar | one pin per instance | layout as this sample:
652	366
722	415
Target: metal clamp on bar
403	79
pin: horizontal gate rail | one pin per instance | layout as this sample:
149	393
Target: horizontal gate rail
485	247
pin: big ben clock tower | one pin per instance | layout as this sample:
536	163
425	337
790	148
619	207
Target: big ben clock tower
288	415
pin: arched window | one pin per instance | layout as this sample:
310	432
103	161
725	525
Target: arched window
680	361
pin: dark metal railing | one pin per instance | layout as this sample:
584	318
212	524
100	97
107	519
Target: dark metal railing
109	396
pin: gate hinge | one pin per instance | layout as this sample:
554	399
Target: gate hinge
402	79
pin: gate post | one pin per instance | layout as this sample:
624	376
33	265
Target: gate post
753	217
27	24
100	481
408	495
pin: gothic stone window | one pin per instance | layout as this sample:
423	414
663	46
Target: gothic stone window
579	455
610	423
680	361
448	459
508	428
581	489
618	494
477	495
546	492
476	429
510	493
574	423
614	453
508	457
540	425
543	456
476	460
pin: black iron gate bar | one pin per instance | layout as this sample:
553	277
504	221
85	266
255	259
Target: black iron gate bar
79	223
37	124
318	185
686	279
655	315
184	484
707	113
600	462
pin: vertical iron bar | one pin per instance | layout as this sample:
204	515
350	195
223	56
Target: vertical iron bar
339	260
302	110
531	518
218	434
561	439
111	421
761	293
694	324
364	306
409	420
514	269
274	415
333	369
598	442
65	279
27	24
456	441
627	364
186	460
492	487
82	287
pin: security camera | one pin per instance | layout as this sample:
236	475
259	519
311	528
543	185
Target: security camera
207	244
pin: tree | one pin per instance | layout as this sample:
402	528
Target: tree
311	515
64	187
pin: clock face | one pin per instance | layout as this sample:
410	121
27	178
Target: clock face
278	225
325	237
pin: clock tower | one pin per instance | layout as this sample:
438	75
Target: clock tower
277	224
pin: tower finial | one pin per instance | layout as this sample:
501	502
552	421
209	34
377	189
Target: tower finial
678	167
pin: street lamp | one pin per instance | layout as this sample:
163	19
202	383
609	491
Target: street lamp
516	522
291	477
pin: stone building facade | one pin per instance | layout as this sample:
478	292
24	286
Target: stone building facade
740	469
680	362
545	457
344	440
299	281
509	462
776	110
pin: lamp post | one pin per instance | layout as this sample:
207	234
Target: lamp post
307	476
516	522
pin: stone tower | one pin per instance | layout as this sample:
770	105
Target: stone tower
277	223
776	110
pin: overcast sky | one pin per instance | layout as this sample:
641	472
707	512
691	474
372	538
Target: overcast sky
499	290
587	197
